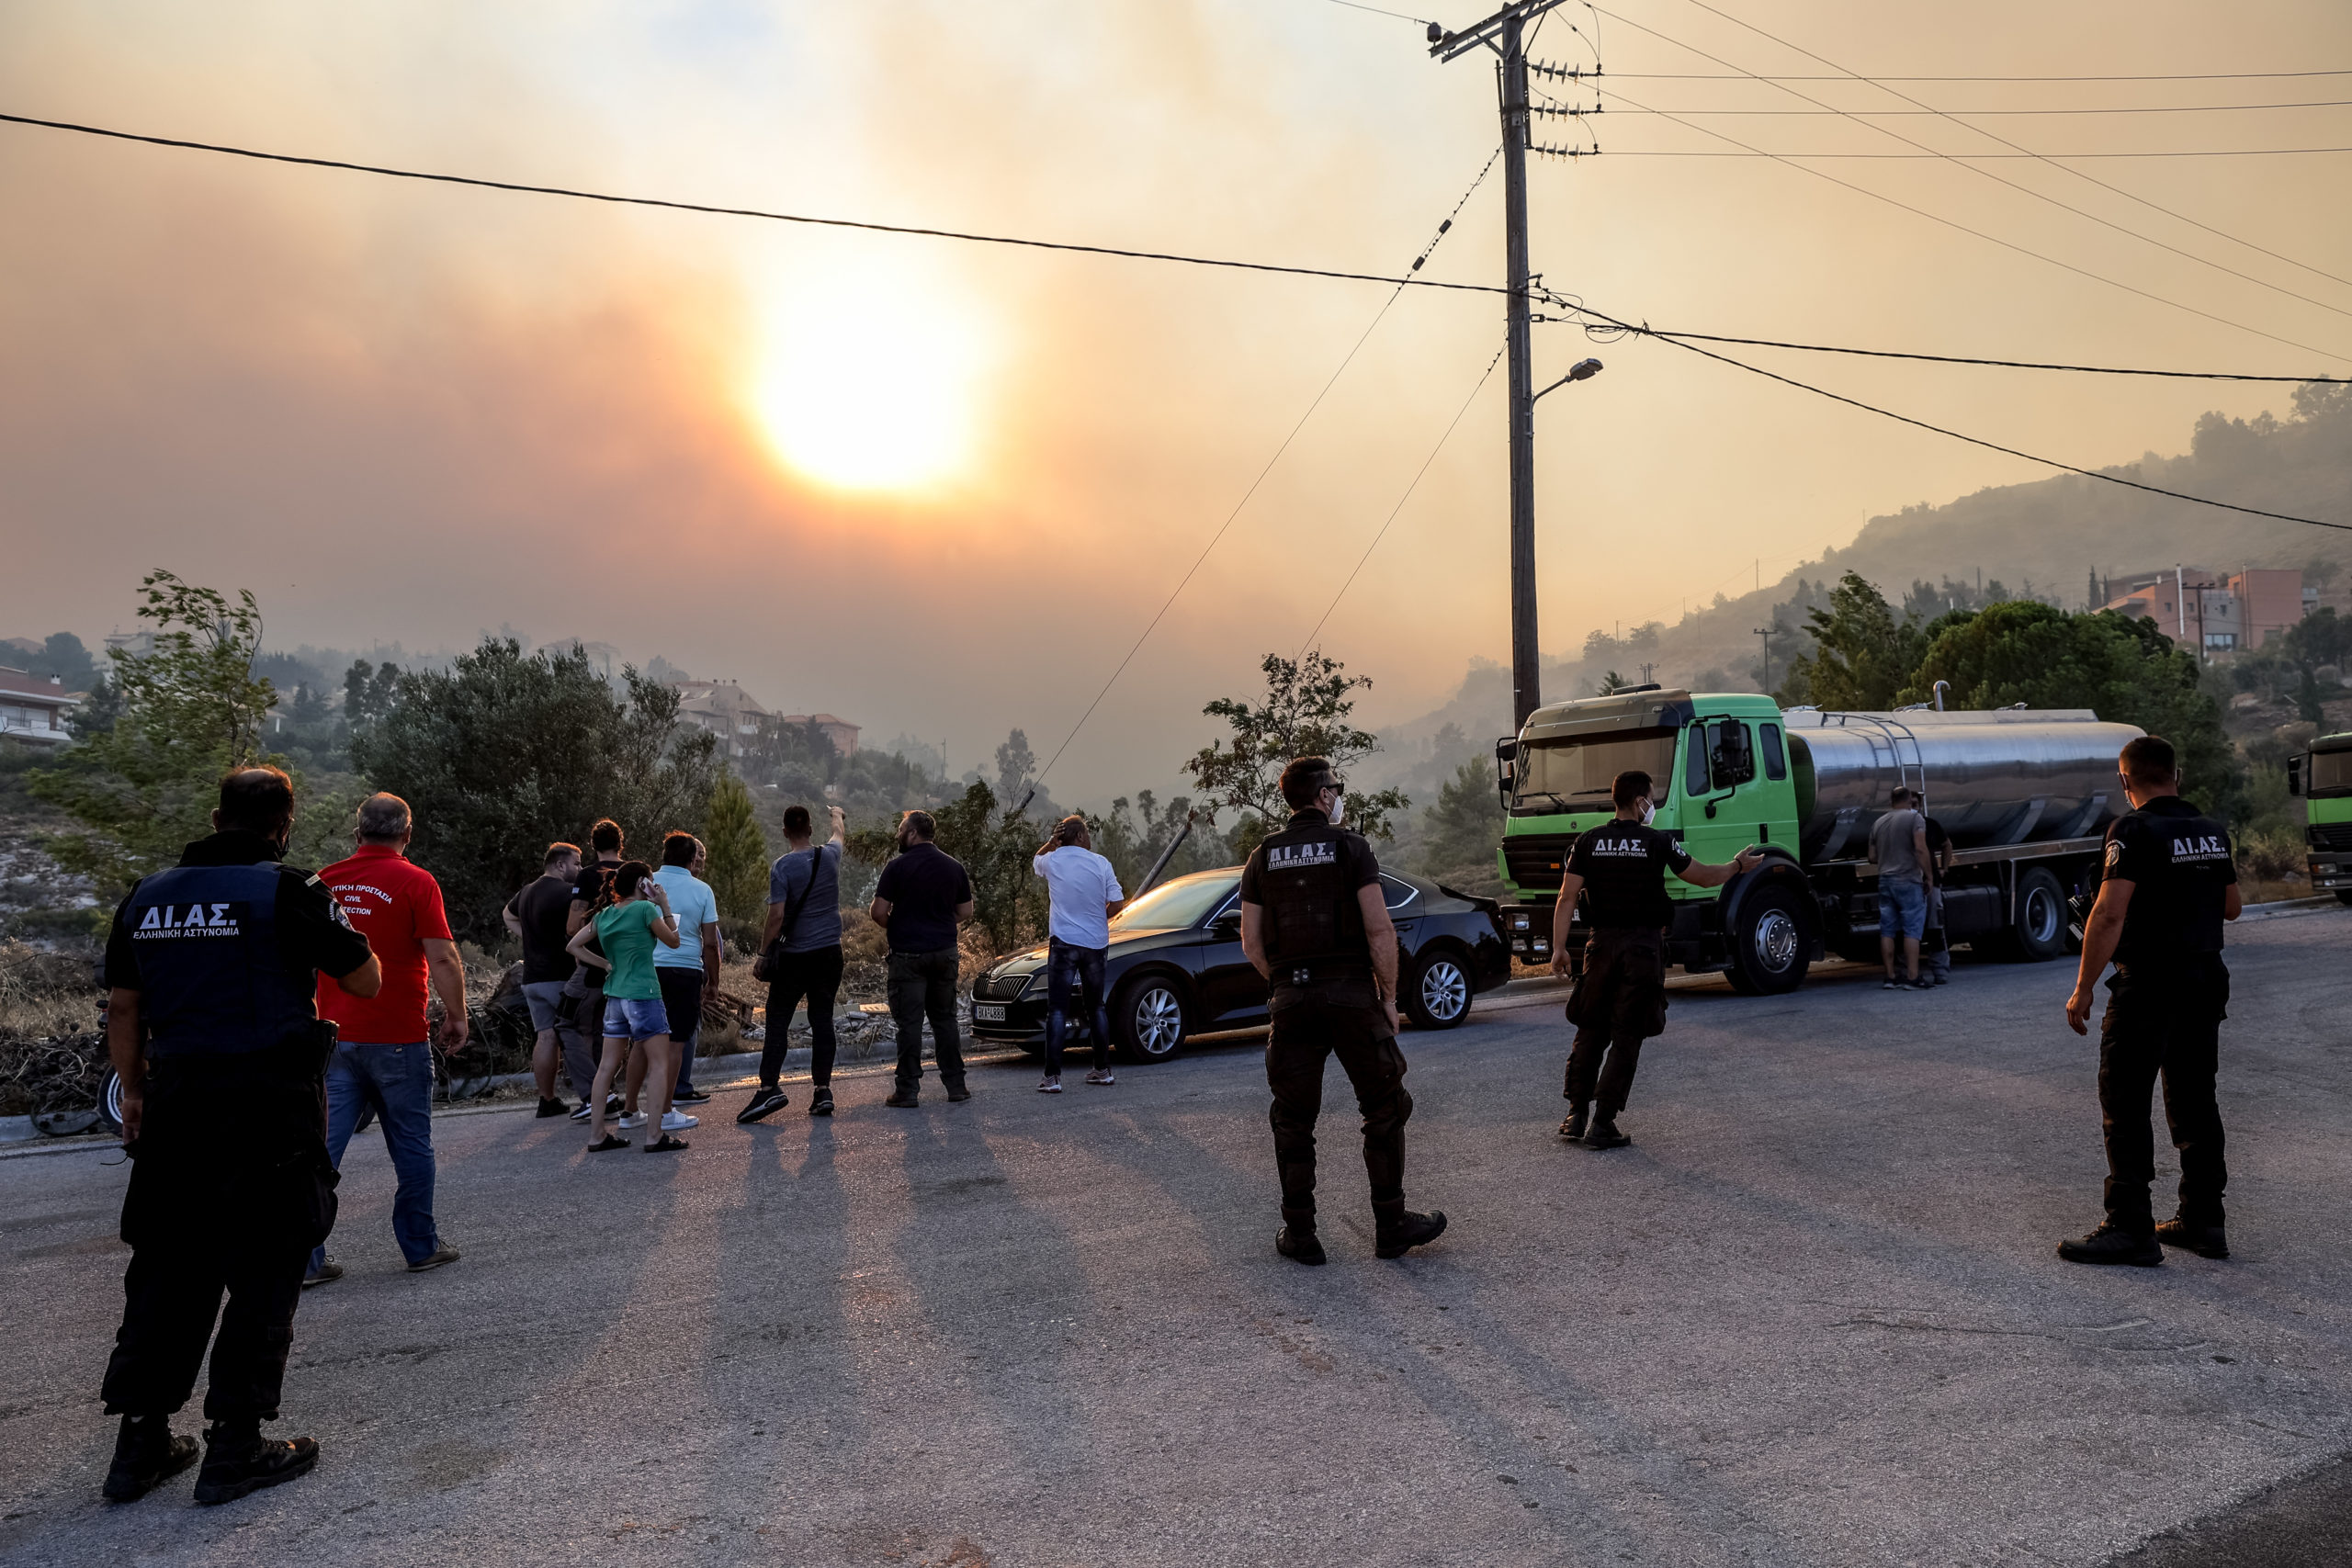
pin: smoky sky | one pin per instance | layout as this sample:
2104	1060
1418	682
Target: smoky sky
407	413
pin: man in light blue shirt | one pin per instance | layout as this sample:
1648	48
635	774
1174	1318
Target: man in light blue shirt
684	970
1085	894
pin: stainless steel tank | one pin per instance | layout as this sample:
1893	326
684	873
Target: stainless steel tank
2007	776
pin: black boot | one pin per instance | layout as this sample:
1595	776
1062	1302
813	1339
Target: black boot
2112	1243
1299	1245
1603	1133
1573	1128
1396	1230
237	1459
145	1455
2185	1235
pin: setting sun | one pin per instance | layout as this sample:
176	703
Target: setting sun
868	380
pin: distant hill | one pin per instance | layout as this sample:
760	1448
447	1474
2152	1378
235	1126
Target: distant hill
2042	540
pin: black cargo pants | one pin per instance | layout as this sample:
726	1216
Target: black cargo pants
1619	1002
1310	1023
2167	1024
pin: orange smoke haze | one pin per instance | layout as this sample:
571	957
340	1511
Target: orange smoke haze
938	488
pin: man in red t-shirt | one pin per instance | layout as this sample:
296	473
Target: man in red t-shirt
383	1058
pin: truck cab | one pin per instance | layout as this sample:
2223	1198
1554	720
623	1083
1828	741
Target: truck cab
1722	779
2322	776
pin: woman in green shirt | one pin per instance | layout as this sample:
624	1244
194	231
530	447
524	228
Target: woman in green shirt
631	917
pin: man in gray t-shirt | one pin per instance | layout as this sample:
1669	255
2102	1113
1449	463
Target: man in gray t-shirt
1899	845
803	947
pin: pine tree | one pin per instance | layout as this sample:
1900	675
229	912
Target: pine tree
737	871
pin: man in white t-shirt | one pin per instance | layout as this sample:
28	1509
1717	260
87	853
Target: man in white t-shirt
1085	894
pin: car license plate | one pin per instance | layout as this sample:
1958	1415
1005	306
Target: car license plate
987	1012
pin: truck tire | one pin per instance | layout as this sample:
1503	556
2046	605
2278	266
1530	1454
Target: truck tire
1436	990
1770	950
1147	1018
2038	925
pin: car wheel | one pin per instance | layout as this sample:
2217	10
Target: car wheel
2039	931
1436	990
110	1101
1148	1018
1770	951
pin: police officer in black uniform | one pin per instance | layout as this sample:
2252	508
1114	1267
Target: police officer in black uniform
1314	922
211	967
2168	883
1621	866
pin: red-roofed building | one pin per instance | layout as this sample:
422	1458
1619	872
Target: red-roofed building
36	708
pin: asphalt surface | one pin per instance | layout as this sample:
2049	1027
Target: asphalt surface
1812	1316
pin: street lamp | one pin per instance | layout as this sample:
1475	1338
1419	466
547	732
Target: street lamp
1582	370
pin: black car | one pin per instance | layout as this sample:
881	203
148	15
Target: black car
1176	966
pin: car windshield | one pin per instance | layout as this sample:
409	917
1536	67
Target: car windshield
2331	774
1574	775
1173	905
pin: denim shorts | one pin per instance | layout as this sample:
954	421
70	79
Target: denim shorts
1902	908
629	1018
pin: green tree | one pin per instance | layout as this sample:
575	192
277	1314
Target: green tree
1007	898
1305	715
737	871
186	713
2125	670
1610	685
1460	835
1862	652
503	752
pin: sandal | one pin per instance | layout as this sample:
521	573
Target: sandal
612	1141
665	1145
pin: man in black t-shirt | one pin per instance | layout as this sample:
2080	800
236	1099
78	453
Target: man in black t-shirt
2167	884
922	895
1620	867
1935	947
539	916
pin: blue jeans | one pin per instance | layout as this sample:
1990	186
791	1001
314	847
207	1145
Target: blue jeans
396	1083
1075	972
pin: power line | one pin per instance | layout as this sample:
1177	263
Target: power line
577	195
2040	157
1990	445
1877	113
1381	11
1963	359
1202	560
1383	533
2116	190
2008	244
1983	173
2188	76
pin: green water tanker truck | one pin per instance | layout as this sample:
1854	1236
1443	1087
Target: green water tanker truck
2322	776
2026	796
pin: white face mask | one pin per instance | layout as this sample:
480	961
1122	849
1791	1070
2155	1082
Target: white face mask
1649	810
1339	809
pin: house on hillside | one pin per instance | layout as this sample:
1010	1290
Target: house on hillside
722	708
2218	616
840	731
36	709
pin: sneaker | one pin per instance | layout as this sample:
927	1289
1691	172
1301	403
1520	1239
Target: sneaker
146	1455
1573	1128
1942	979
1050	1084
1409	1231
630	1120
1922	985
690	1096
1890	984
904	1099
678	1121
765	1101
1603	1134
613	1104
442	1254
326	1274
2206	1241
549	1106
586	1110
236	1462
958	1095
823	1104
2112	1243
1101	1076
1300	1246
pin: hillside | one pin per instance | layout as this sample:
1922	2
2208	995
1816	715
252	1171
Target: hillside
2042	540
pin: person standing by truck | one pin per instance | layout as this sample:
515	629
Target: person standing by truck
1935	946
1621	1000
2168	884
1899	847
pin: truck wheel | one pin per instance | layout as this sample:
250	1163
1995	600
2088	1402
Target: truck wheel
2037	933
1148	1018
1436	990
2344	895
1768	951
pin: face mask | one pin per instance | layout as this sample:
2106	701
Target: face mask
1649	810
1339	809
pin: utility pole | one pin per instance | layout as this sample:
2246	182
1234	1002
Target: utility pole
1505	33
1764	636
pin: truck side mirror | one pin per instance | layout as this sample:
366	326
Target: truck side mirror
2294	776
1506	767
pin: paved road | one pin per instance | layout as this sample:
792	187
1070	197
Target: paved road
1811	1317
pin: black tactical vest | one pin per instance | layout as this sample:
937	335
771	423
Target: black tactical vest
212	979
1312	915
2177	905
